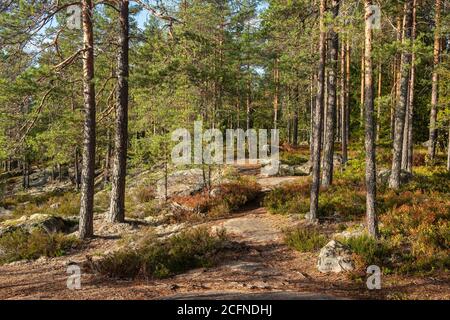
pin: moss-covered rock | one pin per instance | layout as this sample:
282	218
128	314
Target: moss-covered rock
43	222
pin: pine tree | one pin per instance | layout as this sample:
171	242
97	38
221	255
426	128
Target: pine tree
88	154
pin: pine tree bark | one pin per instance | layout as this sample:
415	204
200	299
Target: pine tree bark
379	90
77	175
107	165
362	100
313	89
60	172
394	180
407	157
397	75
371	184
296	111
448	149
117	206
248	105
25	174
344	106
318	119
330	129
86	229
276	94
435	83
347	98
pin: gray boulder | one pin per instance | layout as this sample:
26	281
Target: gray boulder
384	174
295	170
270	168
302	170
286	170
5	212
335	257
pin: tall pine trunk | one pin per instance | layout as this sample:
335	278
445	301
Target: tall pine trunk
276	94
347	99
318	119
407	158
435	84
344	106
117	206
397	73
379	90
331	103
371	183
296	111
312	106
448	149
394	180
362	100
86	228
76	165
25	174
248	106
108	154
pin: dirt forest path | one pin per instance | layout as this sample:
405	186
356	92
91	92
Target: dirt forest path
261	266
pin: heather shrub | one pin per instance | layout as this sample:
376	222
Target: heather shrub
420	233
228	197
20	245
156	258
305	239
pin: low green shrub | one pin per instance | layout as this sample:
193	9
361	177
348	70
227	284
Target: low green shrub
234	195
292	159
429	180
305	239
20	245
67	204
419	232
347	200
368	249
229	197
124	264
288	199
156	258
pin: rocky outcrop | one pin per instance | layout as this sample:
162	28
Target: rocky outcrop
186	182
5	211
335	257
290	170
44	222
181	183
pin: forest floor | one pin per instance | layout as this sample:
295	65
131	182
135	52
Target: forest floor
260	265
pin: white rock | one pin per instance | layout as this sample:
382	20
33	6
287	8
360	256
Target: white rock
335	257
